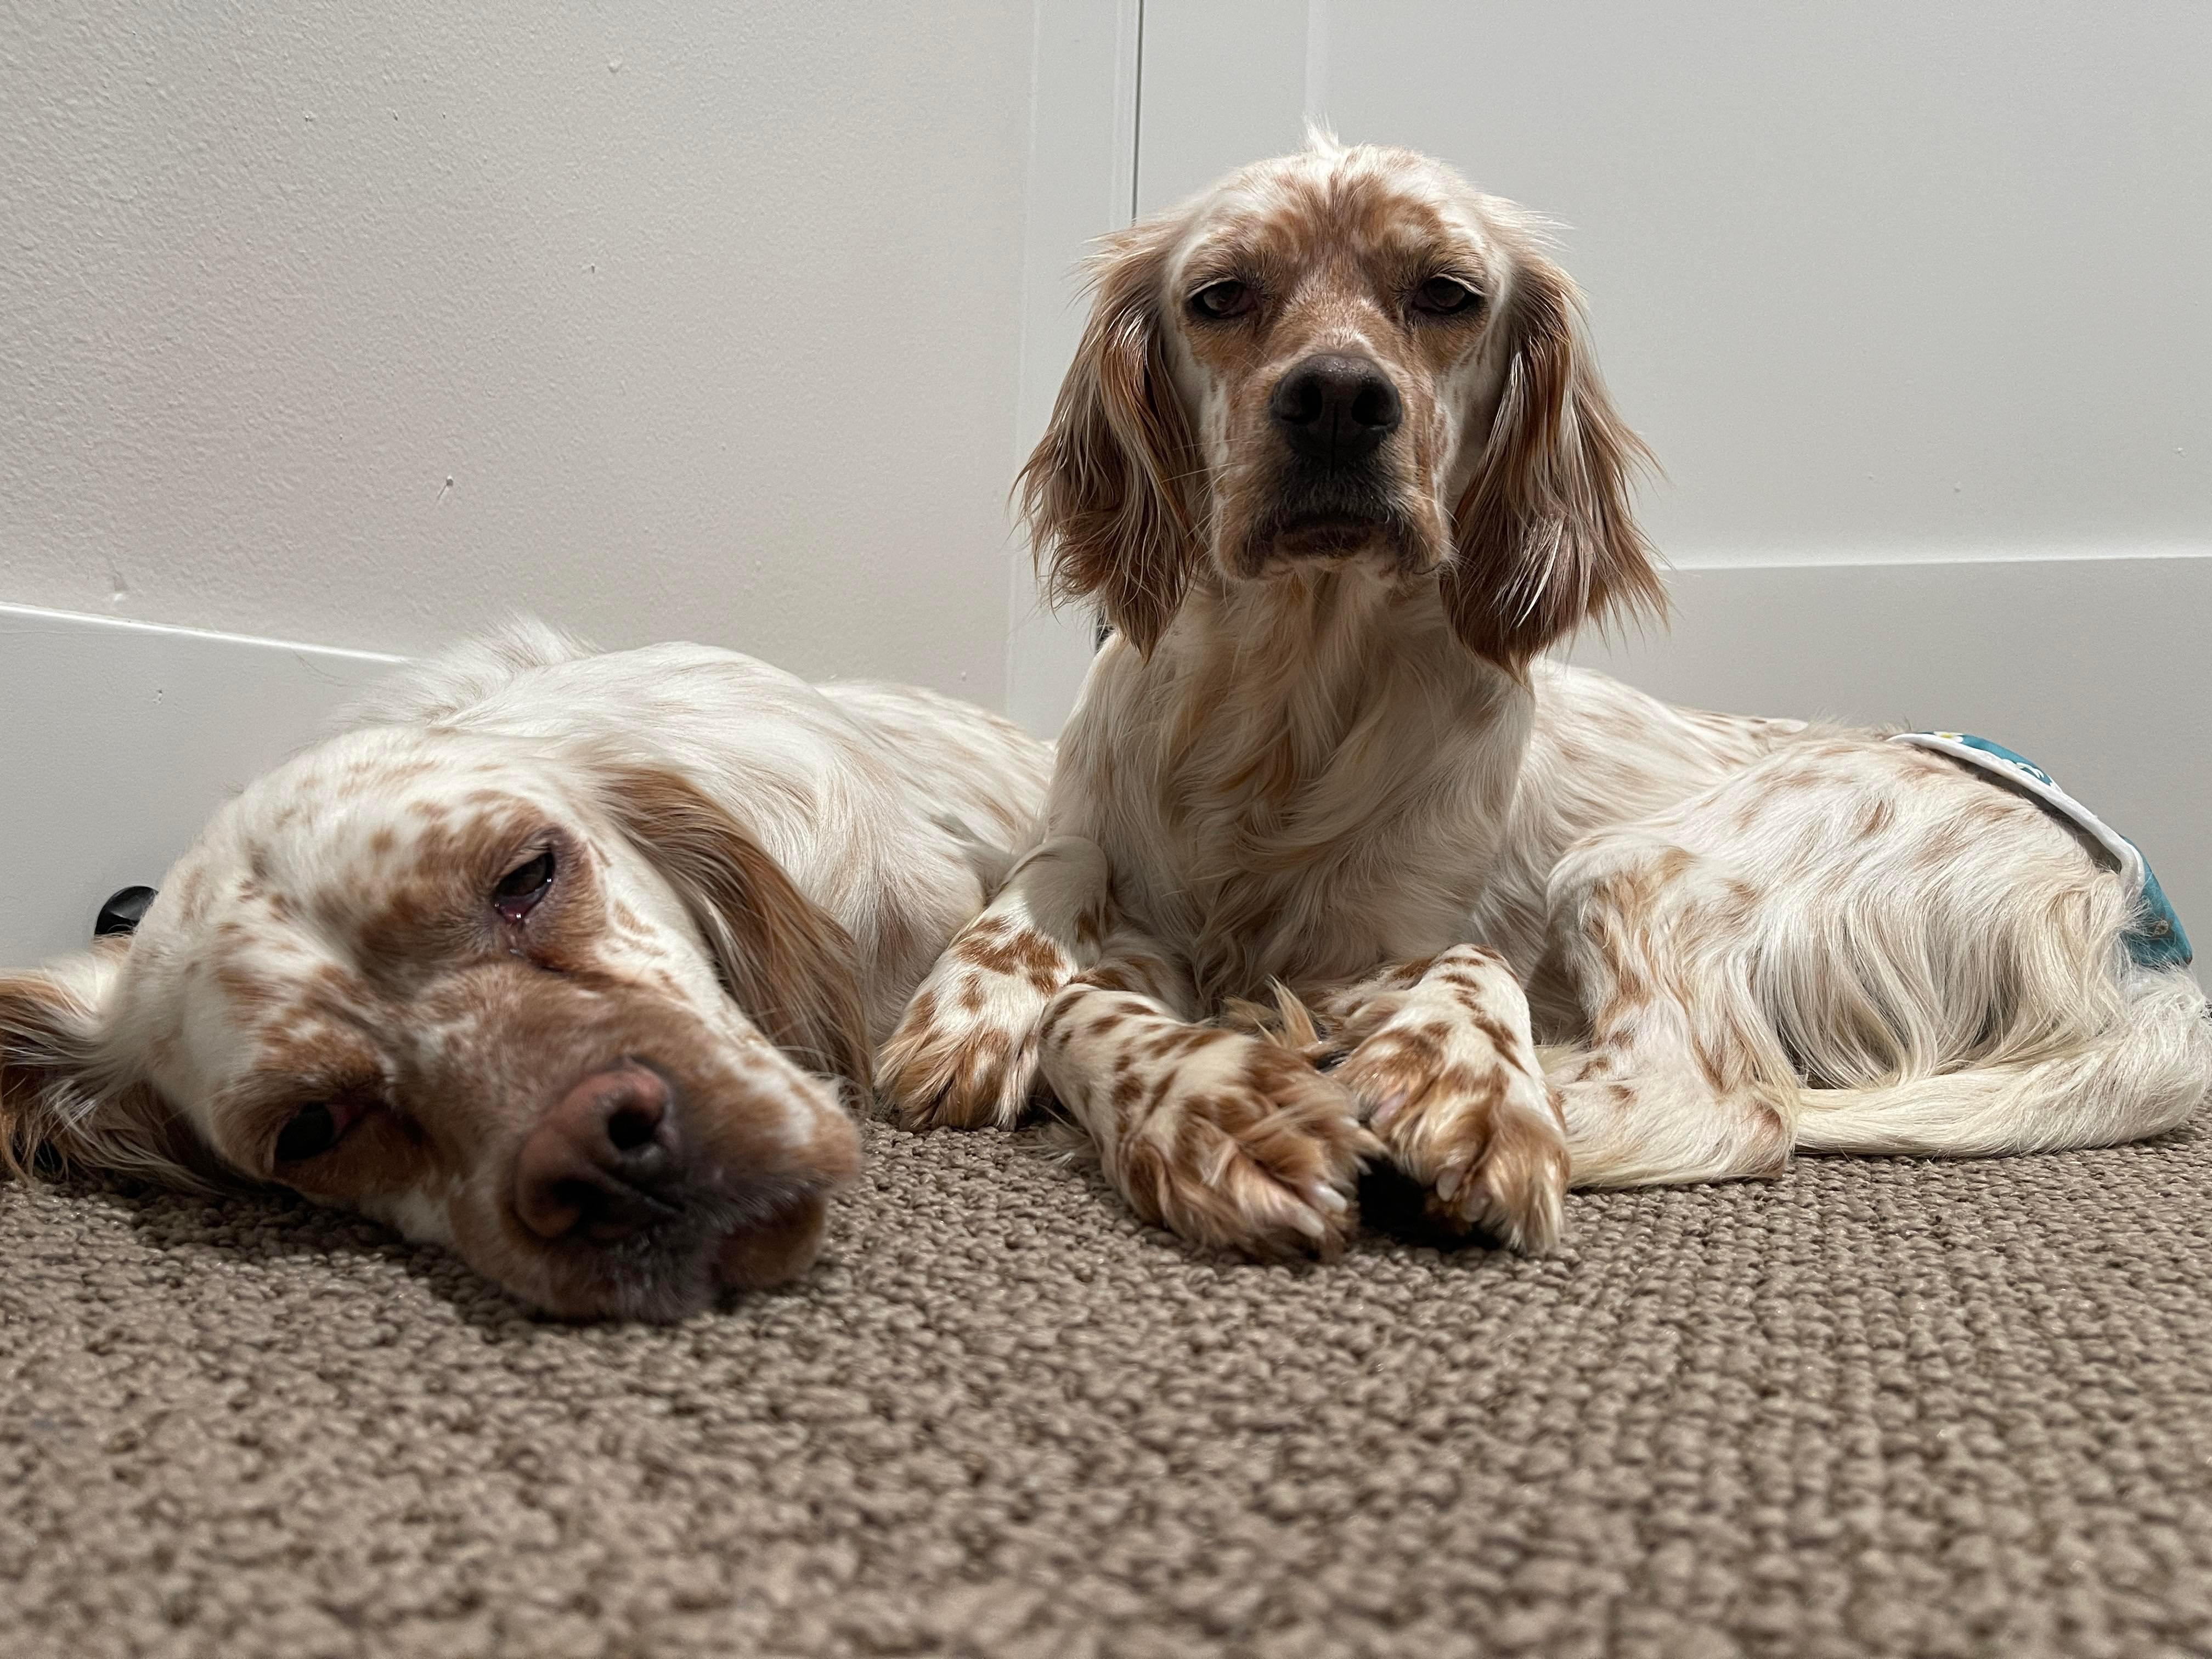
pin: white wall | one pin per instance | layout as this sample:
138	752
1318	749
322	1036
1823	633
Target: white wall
361	324
1082	183
1888	279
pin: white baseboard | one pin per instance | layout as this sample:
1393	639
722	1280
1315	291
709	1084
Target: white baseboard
118	739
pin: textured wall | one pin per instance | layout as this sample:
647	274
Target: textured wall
357	324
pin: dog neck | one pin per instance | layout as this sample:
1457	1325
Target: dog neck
1264	692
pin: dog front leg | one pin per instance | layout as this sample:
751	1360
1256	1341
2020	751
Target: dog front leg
1445	1071
965	1052
1222	1138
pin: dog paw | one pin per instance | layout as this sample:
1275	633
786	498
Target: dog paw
965	1055
1460	1117
1238	1143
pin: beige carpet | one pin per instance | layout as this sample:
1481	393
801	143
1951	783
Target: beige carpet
1892	1409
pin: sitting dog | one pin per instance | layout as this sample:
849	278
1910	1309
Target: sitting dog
573	962
1336	461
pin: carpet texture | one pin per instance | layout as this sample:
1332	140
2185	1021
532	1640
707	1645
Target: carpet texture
1872	1409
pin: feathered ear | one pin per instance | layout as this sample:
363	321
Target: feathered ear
67	1106
783	958
1111	493
1546	538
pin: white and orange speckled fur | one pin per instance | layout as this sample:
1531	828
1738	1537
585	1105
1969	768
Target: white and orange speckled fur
748	876
1328	763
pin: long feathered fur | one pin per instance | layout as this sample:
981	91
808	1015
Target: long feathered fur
1345	807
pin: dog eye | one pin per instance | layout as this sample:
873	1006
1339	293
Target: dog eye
520	888
1444	296
312	1131
1224	299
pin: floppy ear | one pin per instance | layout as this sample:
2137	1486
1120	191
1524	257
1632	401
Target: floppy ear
1545	537
1111	492
783	958
67	1106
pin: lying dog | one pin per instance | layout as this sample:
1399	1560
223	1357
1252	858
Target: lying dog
575	963
1335	459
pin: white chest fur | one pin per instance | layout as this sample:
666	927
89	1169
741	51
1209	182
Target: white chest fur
1341	809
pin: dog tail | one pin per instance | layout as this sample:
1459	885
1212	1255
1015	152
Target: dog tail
2145	1068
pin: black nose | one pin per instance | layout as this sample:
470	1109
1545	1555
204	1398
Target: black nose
1335	409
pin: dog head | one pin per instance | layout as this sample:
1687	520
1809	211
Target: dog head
569	1019
1342	356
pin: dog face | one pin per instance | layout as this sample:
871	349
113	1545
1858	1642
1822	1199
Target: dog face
573	1022
1341	356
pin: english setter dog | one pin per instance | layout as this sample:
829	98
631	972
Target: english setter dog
573	962
1336	461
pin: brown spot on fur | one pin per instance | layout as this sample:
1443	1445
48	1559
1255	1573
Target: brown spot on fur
1946	840
1404	976
1018	952
988	1051
243	990
1499	1036
1110	976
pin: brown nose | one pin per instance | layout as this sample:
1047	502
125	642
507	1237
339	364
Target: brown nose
1335	409
601	1162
